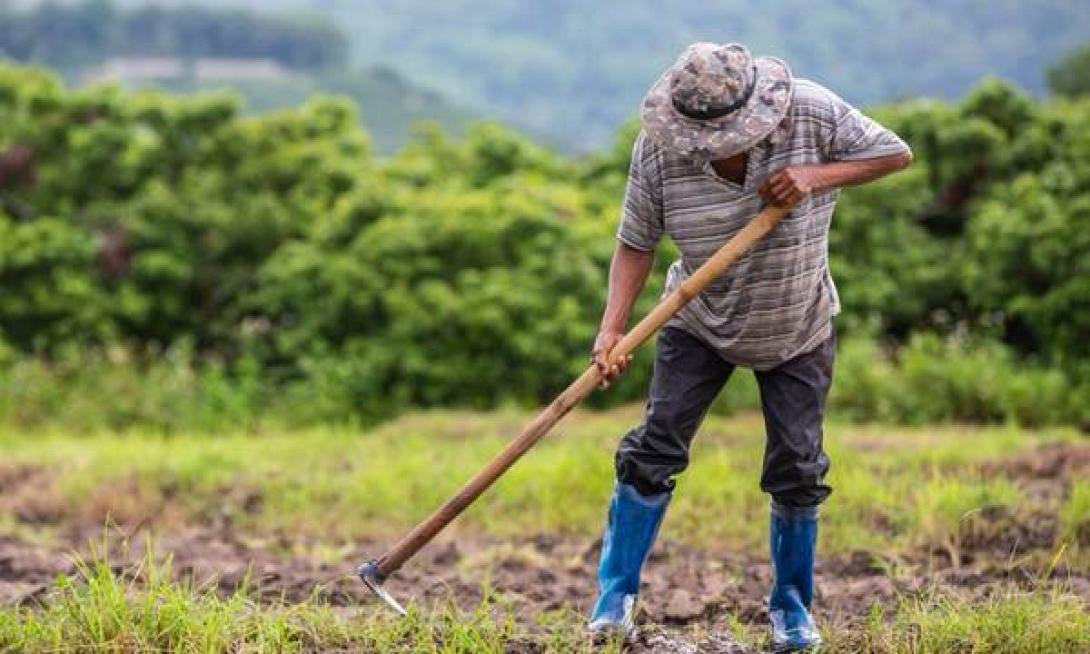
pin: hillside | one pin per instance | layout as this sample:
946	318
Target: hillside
390	106
273	60
577	69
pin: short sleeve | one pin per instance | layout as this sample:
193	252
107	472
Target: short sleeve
642	216
854	136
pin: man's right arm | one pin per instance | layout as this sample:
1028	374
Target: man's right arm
641	228
628	273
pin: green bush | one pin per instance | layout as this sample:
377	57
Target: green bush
1070	75
937	380
86	391
930	380
275	257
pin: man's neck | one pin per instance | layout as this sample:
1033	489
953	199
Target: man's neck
732	169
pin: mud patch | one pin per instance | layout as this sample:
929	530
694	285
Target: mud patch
999	532
27	572
690	593
29	493
688	597
1044	476
1052	464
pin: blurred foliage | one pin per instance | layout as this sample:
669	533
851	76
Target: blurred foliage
1070	76
76	38
278	253
565	71
575	69
390	107
75	35
932	379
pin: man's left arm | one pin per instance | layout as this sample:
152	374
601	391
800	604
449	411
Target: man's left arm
793	183
853	149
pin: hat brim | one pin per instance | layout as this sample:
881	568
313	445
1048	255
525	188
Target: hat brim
726	136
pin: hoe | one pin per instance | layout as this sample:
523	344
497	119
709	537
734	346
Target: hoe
375	572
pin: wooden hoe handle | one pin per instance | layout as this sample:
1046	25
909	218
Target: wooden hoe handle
730	252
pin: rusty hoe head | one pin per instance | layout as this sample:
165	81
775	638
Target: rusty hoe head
372	578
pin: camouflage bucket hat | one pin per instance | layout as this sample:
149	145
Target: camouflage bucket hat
717	101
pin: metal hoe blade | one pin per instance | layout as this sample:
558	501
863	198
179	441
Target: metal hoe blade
368	572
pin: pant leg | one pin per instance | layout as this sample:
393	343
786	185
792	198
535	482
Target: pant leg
687	376
793	400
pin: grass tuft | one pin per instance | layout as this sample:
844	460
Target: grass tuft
1011	622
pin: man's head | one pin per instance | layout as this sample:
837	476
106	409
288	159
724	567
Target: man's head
717	101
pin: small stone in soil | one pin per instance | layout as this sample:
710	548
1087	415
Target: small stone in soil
658	640
683	607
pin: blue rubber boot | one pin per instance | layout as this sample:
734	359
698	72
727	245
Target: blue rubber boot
634	522
793	538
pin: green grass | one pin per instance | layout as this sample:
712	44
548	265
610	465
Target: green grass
898	491
1076	513
337	484
101	610
1013	622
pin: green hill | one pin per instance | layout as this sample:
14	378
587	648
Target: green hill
577	69
273	60
390	106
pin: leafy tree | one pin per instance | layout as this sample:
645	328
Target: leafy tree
74	36
280	247
1070	76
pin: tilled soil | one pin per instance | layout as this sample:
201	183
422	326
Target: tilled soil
688	594
684	587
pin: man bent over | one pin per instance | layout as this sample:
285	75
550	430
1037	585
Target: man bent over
723	134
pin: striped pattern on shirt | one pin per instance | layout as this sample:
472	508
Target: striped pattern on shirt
778	300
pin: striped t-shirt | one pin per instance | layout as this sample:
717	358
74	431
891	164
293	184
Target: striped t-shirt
778	300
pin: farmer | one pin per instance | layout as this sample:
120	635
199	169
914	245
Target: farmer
725	133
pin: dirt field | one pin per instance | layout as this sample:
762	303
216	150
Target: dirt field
981	517
695	599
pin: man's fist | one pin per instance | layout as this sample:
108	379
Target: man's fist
603	345
789	185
